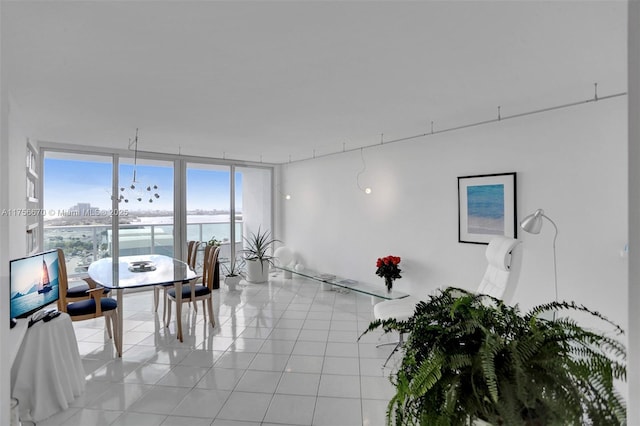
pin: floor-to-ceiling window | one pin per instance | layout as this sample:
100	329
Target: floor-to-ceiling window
146	195
208	206
77	202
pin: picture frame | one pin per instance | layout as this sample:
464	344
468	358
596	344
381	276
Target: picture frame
486	207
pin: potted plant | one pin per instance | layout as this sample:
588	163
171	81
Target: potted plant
256	254
214	242
233	272
470	358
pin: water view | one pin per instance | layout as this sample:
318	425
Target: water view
83	241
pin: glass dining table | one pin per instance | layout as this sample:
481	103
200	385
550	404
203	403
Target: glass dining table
147	270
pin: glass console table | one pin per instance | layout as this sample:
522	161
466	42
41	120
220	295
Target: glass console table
379	291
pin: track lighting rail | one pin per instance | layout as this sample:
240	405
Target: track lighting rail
499	118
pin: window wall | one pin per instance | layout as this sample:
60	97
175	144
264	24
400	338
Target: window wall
146	198
77	204
169	200
208	208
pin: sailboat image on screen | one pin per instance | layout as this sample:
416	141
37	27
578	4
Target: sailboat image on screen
45	284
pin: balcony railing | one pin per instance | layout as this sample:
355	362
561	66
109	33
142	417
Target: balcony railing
83	244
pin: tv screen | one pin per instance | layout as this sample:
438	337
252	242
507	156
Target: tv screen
34	283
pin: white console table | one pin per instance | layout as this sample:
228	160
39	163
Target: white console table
47	372
16	336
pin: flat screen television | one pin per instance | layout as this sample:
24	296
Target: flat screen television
33	281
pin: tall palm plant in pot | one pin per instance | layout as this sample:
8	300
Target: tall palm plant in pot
257	254
471	358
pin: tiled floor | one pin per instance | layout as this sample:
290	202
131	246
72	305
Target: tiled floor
282	353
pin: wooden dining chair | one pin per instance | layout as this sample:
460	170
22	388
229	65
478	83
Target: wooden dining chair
194	292
80	291
96	305
192	255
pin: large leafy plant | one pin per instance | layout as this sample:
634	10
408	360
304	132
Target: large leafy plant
258	246
471	357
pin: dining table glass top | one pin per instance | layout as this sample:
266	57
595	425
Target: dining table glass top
140	271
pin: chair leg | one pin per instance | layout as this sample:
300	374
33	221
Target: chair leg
117	340
210	306
107	323
168	318
156	295
164	305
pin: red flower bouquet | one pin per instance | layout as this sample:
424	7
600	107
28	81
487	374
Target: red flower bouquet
388	269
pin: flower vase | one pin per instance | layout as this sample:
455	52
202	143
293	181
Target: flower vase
388	281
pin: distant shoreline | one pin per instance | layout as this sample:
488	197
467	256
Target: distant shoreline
139	220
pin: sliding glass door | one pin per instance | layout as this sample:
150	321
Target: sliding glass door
208	208
82	195
146	194
77	202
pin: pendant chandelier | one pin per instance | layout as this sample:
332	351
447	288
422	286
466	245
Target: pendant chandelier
136	190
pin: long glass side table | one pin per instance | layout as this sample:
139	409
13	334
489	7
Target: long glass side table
378	291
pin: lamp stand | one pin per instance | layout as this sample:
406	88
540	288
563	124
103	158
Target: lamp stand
555	263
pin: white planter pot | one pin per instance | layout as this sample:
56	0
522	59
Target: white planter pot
232	281
257	272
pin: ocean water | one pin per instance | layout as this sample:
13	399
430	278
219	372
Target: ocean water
222	231
486	201
204	218
199	227
485	209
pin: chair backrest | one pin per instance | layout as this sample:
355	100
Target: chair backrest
63	282
499	255
192	253
209	269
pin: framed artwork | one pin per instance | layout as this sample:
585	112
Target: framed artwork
486	207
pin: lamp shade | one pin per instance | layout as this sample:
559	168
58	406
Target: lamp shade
533	223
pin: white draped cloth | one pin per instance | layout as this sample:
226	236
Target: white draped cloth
47	374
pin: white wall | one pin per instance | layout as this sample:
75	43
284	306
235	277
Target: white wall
12	224
571	162
17	184
5	374
633	363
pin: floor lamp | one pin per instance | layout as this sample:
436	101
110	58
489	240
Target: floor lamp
533	224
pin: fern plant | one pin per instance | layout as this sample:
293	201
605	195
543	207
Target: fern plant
471	357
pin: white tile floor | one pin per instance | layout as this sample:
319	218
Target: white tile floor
282	353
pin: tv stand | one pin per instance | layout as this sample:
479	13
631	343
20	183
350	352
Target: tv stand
16	336
40	356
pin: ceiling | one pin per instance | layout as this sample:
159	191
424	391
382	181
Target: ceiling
279	81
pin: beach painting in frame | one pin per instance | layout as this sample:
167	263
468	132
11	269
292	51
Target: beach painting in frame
486	207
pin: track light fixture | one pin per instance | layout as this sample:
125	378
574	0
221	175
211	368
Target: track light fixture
367	190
